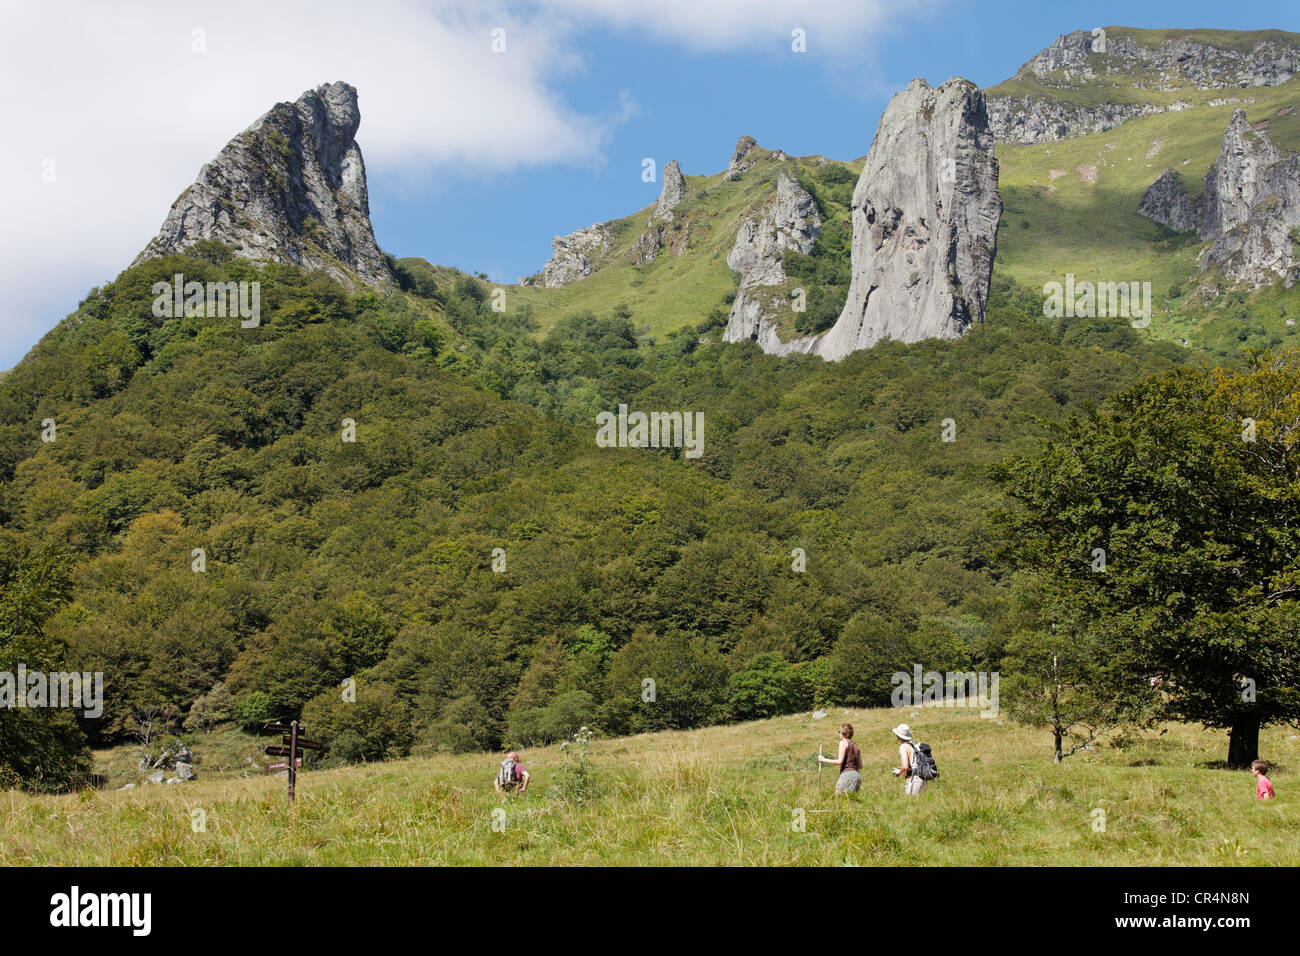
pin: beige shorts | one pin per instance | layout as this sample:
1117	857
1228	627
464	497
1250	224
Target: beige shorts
913	786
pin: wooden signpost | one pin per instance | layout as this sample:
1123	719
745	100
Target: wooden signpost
294	751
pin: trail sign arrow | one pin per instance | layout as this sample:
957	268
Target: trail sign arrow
282	765
309	744
278	729
277	751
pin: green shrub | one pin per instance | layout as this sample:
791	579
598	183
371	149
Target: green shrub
253	710
768	686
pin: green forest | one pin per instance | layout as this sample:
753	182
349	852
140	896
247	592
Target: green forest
472	570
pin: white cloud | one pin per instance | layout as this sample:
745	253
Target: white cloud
115	95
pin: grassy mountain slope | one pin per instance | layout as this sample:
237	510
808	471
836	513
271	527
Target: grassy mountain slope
716	796
1071	206
679	290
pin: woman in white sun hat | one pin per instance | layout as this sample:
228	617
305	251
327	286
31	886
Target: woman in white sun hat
905	756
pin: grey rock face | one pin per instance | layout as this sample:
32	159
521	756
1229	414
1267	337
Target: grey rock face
646	249
1178	63
739	163
1033	119
185	772
790	221
673	192
925	223
1167	202
573	257
291	188
1249	206
1181	61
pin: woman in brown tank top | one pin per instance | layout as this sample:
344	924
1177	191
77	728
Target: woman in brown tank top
849	760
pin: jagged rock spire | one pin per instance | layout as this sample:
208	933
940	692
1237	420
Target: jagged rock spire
291	188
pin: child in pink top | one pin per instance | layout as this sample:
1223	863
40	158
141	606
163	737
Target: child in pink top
1263	786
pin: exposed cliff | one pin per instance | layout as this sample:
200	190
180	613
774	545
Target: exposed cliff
1135	70
1247	210
790	221
291	188
925	222
1168	203
573	257
925	217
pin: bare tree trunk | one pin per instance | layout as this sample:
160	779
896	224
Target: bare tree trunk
1243	742
1059	746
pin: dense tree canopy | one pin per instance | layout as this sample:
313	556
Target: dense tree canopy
1165	529
473	560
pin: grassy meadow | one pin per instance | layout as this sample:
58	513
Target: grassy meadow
1071	207
724	795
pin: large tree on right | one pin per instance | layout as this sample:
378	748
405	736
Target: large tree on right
1164	529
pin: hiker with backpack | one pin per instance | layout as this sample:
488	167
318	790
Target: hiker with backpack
849	760
916	764
512	774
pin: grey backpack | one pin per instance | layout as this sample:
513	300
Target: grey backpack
923	764
506	775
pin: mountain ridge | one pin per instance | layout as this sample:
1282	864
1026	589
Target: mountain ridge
701	221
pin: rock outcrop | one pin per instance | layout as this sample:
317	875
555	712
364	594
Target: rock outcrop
739	157
1178	63
789	221
573	257
1184	61
1250	205
291	188
646	248
1167	202
1035	119
925	222
673	191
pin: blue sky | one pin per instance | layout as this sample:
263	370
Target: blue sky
474	160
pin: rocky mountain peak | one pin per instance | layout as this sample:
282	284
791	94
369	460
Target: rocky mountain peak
573	257
925	222
673	192
1250	204
290	188
740	160
789	221
925	215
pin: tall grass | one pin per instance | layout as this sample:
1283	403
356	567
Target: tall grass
717	796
